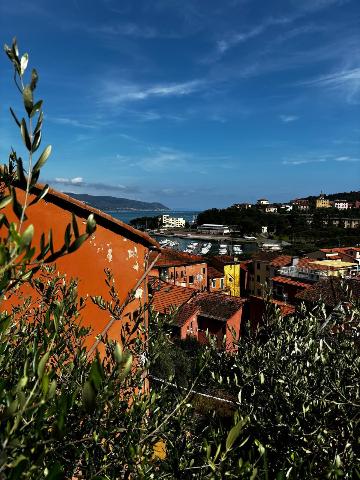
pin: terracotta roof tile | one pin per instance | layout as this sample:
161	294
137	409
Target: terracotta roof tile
331	291
290	281
284	307
217	305
214	272
167	297
185	312
282	261
173	258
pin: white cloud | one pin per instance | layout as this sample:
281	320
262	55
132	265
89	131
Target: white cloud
345	81
116	93
320	159
288	118
69	181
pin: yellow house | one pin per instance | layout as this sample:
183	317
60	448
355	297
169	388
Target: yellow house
323	202
232	275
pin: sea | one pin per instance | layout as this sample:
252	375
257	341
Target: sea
180	242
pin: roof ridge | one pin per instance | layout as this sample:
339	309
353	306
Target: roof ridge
102	218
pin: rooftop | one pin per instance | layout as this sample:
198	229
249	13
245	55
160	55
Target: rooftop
167	297
173	258
331	291
83	210
290	281
217	305
281	261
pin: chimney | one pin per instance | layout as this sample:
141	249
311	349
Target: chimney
295	261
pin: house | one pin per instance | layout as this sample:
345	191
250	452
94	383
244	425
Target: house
301	204
262	201
114	245
331	291
348	254
286	207
285	288
262	268
172	222
341	204
180	268
235	274
199	314
270	209
310	269
257	306
216	279
322	202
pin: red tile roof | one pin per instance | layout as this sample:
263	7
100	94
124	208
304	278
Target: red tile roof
331	291
167	297
185	312
284	307
214	273
290	281
217	305
173	258
282	261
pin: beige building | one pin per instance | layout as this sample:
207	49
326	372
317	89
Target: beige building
323	202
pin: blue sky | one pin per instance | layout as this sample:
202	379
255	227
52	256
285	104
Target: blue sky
195	104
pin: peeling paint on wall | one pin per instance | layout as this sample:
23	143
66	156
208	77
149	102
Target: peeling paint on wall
109	255
139	293
132	253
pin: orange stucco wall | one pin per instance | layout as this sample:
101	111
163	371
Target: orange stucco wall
105	249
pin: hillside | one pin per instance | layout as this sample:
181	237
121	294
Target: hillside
117	203
349	196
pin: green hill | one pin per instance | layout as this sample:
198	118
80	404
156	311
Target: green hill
117	203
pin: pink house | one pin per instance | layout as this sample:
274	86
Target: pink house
199	315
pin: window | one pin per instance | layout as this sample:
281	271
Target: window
221	283
191	279
171	275
204	270
267	268
213	283
258	278
182	274
258	265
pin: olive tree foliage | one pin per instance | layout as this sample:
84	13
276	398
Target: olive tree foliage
296	379
19	258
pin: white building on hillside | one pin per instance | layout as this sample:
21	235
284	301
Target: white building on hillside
172	222
341	204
